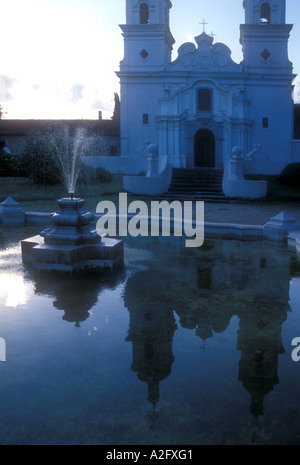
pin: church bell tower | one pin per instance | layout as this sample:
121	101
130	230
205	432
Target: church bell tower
264	37
148	41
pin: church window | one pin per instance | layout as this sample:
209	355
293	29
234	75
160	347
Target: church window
265	13
204	100
265	54
145	118
149	351
204	278
263	262
265	123
144	13
144	54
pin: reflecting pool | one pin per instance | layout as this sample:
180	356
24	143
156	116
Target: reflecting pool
179	346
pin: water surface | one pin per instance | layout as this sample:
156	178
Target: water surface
180	346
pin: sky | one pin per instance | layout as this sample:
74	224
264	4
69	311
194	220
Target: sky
59	57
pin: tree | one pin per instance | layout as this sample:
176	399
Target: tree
116	115
2	112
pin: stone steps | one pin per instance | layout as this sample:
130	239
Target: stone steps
196	184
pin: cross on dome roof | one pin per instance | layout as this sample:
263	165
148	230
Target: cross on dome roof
203	24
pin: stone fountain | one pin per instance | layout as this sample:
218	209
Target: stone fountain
71	244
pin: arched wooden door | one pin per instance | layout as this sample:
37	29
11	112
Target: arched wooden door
204	149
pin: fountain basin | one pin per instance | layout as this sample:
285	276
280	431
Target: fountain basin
107	254
71	245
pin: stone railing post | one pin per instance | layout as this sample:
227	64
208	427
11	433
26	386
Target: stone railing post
153	161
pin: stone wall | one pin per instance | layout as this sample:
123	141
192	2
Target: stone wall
106	134
102	145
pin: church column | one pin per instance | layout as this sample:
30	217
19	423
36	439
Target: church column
245	139
171	143
227	143
249	135
235	134
174	143
183	161
165	138
124	121
242	137
177	145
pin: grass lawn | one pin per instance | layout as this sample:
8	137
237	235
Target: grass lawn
39	198
34	197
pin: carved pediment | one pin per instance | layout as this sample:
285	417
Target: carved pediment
206	56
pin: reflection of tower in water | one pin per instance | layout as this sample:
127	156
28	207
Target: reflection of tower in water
261	320
75	302
75	295
230	278
151	330
260	343
252	282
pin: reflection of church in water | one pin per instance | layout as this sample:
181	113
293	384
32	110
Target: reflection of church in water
76	295
205	288
224	279
151	330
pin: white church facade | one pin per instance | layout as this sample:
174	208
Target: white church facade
197	108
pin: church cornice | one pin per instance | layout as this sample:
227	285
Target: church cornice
215	78
215	119
173	74
142	31
275	31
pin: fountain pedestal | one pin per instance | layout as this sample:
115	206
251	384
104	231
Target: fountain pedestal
71	244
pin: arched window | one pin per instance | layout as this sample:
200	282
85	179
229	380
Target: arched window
265	13
149	351
145	118
204	100
144	13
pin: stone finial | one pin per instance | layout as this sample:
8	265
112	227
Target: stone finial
153	150
237	152
11	213
10	202
279	226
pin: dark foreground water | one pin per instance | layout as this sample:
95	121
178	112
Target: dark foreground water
181	346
